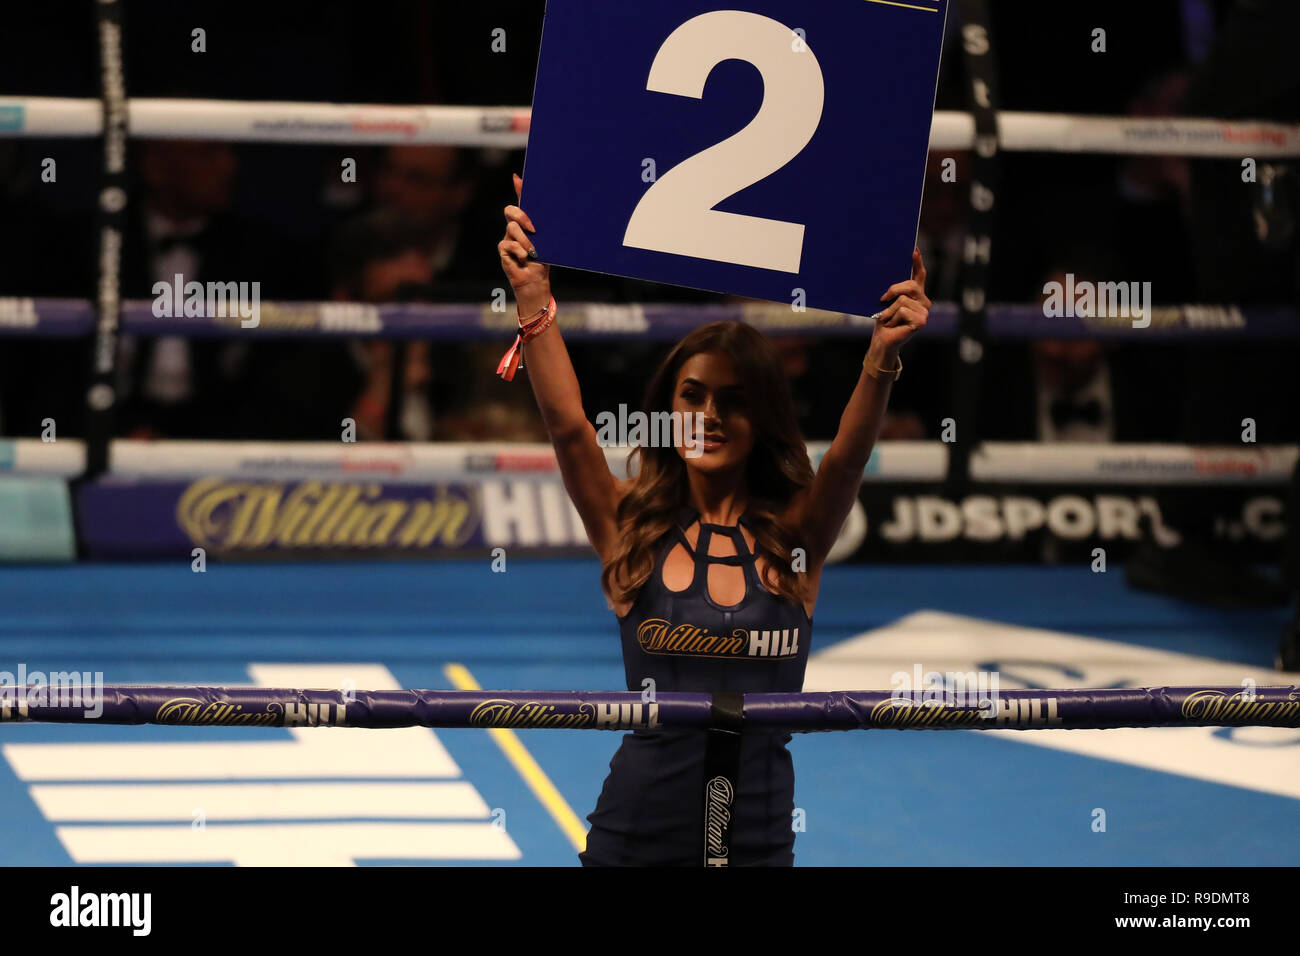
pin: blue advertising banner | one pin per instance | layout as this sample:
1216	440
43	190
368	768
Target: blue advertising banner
145	519
234	519
776	151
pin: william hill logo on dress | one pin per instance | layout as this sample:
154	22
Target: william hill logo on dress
657	636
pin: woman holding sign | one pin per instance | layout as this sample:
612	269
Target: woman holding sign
711	559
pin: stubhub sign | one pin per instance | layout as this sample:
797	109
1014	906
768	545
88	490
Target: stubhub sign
775	147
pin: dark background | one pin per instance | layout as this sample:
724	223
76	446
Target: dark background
1189	232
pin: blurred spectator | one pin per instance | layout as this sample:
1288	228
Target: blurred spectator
942	232
381	261
508	417
813	394
1075	401
430	189
304	388
1246	243
822	378
487	408
1151	204
182	387
1079	390
1244	233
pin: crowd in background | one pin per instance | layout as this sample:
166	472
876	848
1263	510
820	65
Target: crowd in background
420	224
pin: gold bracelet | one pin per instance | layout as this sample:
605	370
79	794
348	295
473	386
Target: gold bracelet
876	373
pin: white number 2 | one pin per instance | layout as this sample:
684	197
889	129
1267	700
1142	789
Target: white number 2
676	214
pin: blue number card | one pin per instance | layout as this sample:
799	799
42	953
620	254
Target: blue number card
773	148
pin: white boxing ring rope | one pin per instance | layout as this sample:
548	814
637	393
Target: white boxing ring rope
420	462
507	127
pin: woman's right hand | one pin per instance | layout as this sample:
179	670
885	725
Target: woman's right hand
530	279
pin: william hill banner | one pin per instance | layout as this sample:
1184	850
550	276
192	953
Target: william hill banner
243	519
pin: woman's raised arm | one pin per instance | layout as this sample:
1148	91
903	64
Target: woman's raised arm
821	513
587	478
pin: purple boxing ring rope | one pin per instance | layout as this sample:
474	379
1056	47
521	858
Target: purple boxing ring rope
602	710
723	717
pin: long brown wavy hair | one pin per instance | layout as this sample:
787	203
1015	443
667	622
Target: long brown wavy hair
777	467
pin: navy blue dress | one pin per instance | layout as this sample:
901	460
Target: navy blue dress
650	811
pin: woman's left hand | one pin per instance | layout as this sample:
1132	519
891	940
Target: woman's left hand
905	316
